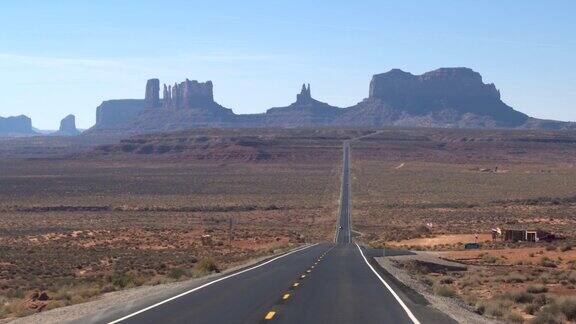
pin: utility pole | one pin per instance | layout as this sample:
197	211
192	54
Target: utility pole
202	223
230	234
311	228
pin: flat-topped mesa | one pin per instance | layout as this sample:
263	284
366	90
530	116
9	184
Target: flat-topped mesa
152	96
458	92
397	86
188	95
17	125
304	95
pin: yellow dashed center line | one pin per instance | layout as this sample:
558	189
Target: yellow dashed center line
270	315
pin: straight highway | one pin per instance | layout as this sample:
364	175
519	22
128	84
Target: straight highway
323	283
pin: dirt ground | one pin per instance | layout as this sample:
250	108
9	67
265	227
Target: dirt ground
514	256
435	190
448	239
75	226
156	209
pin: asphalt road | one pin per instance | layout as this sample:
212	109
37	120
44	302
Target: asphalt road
324	283
343	235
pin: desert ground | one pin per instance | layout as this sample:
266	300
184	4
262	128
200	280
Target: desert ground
83	218
157	208
436	190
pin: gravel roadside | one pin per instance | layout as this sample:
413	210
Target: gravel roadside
450	306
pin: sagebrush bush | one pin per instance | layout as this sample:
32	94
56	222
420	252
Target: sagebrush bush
568	307
443	290
18	308
546	262
545	317
551	247
523	297
122	280
489	258
88	292
532	308
572	277
206	265
537	289
495	308
557	311
176	273
54	304
514	318
515	278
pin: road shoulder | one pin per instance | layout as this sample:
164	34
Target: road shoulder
449	306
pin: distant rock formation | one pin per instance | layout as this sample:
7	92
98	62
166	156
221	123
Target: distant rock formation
188	95
16	126
305	112
117	114
304	96
189	104
446	97
68	126
152	95
184	105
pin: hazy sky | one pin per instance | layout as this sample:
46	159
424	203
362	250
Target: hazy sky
61	57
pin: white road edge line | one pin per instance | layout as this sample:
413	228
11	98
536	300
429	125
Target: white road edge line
406	309
208	284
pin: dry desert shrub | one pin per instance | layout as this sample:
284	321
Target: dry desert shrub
443	290
206	266
537	289
514	317
557	311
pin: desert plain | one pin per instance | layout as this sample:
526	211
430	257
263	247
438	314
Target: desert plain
81	218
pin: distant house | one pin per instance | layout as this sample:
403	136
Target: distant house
513	235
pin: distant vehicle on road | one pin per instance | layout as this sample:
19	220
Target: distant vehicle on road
340	226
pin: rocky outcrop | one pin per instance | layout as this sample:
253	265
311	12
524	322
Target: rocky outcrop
396	86
117	114
304	96
305	112
185	105
152	94
16	126
188	95
68	126
447	97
